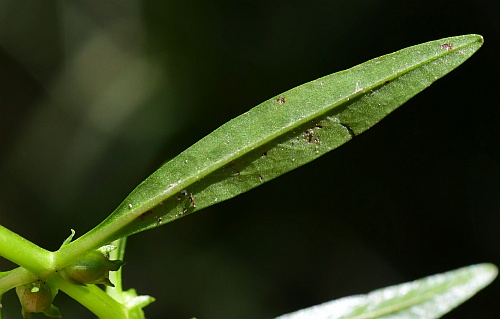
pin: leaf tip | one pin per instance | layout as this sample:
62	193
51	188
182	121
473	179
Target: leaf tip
477	38
485	273
489	268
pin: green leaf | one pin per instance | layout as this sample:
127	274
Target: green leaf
288	131
429	298
279	135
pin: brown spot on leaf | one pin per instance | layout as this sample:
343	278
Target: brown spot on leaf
281	100
191	198
308	135
446	46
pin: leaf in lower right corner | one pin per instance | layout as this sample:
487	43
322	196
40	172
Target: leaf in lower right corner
428	298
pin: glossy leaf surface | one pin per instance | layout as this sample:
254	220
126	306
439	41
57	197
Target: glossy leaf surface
428	298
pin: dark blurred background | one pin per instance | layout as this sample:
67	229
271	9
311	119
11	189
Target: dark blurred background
94	96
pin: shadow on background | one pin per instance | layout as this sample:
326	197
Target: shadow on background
95	96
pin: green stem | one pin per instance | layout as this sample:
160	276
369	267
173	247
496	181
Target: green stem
37	262
14	278
91	297
24	253
116	276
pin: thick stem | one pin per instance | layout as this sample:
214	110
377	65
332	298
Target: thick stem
24	253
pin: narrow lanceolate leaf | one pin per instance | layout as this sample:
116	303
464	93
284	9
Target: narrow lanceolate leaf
283	133
426	298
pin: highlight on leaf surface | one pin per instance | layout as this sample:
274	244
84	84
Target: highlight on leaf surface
429	297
